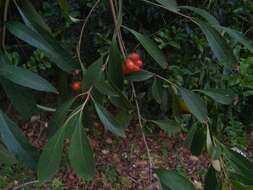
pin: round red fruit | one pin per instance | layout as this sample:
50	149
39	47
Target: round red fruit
134	57
76	86
136	68
139	63
130	64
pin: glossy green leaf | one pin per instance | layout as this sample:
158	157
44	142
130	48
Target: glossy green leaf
151	48
221	96
21	98
40	38
15	141
171	5
139	76
211	180
238	36
50	158
108	121
157	91
171	127
92	74
115	66
80	152
171	180
25	78
198	142
203	13
219	46
194	103
28	12
59	116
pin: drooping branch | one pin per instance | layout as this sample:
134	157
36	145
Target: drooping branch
78	47
5	17
117	29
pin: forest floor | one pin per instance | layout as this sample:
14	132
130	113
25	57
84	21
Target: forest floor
122	164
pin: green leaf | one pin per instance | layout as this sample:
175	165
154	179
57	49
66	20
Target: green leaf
21	98
139	76
188	141
108	121
221	96
241	165
198	142
238	186
40	38
209	142
28	12
115	66
171	180
218	45
105	88
6	157
59	116
151	48
211	180
120	101
50	158
25	78
80	152
124	118
237	176
238	36
15	141
171	5
194	103
157	91
165	100
92	74
171	127
203	13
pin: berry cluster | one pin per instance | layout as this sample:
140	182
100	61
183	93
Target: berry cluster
133	63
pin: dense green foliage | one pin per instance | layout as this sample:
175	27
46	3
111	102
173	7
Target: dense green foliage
196	78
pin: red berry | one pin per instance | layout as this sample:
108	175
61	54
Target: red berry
139	63
134	57
136	68
76	86
130	64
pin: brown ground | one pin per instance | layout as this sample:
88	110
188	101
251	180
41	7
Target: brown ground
123	164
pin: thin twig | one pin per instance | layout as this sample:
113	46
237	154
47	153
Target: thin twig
80	110
117	28
5	17
78	47
166	80
25	184
176	12
142	133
